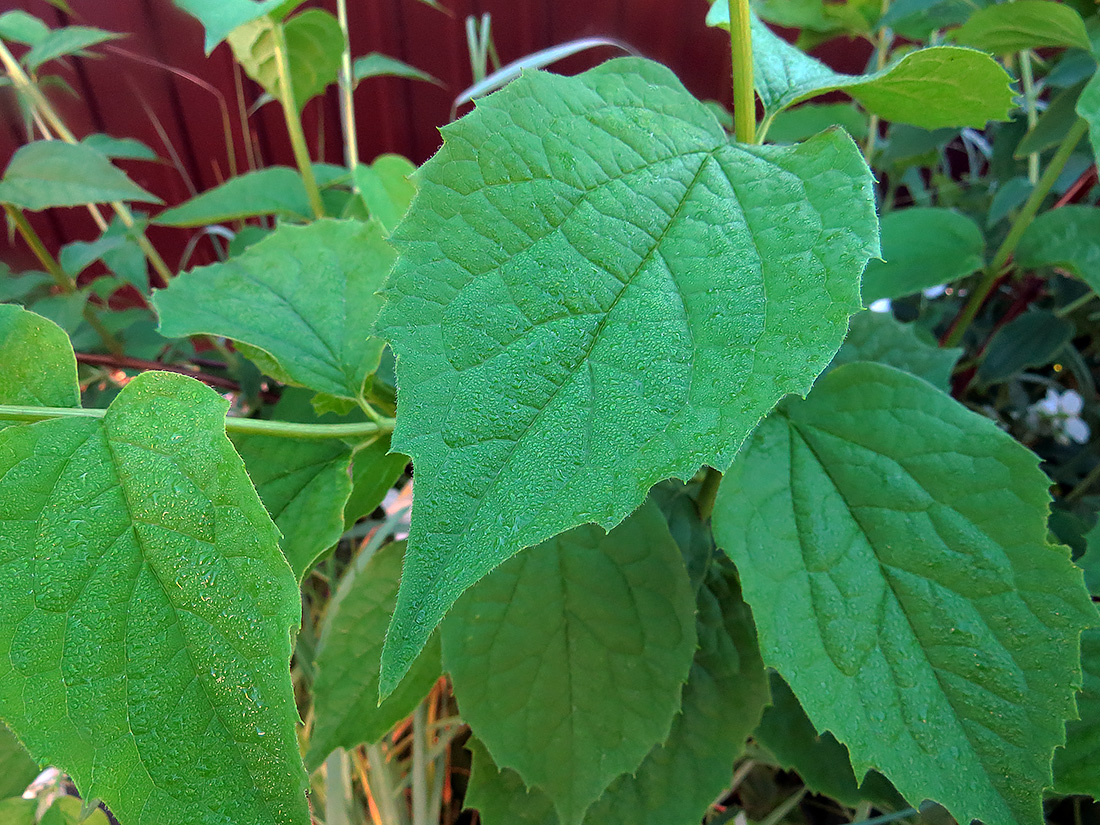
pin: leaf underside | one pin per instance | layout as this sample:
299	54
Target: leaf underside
595	291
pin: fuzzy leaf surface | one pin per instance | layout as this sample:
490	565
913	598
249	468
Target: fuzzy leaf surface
50	173
893	546
305	295
876	336
923	247
1023	25
39	366
1068	237
596	291
345	692
277	190
930	88
583	643
146	612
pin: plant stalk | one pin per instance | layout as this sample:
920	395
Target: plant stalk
708	493
744	94
338	796
1016	231
1027	81
382	787
883	42
347	104
244	426
419	770
294	123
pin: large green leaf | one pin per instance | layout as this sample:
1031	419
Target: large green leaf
63	42
314	42
54	173
923	247
304	484
39	365
305	295
893	547
931	88
583	642
146	612
875	336
595	291
17	769
676	782
1022	25
1077	765
1068	237
277	190
345	692
821	762
220	17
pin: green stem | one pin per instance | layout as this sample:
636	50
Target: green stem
382	787
1016	231
419	771
883	42
744	95
347	105
338	795
294	123
244	426
1084	485
1027	80
1075	305
707	493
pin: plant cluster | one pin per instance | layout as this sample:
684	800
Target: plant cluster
687	515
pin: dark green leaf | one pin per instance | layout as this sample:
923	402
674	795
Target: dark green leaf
146	612
380	65
589	636
347	712
1077	765
17	769
805	121
1053	123
39	365
1022	25
893	546
923	247
879	337
304	295
277	190
1088	107
1033	340
64	42
585	308
53	173
1068	237
918	19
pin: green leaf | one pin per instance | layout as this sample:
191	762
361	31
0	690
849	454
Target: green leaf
277	190
386	188
589	636
1053	123
1088	107
53	173
18	811
18	26
381	65
305	295
918	19
676	782
1022	25
879	337
1035	339
63	42
220	17
125	148
314	43
805	121
892	545
146	612
820	761
1090	562
374	471
923	247
68	810
304	484
1077	765
1067	237
345	692
596	291
39	365
931	88
17	769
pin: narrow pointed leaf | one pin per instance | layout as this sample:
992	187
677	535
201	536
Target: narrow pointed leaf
277	190
345	692
596	291
923	247
18	26
64	42
931	88
146	612
53	173
381	65
304	295
1077	765
879	337
220	17
893	546
1023	25
583	641
39	365
1068	237
112	147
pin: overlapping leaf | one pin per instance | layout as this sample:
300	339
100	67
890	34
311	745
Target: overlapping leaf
304	295
277	190
931	88
597	291
346	708
582	642
146	612
53	173
39	365
17	769
220	17
879	337
1077	765
1068	237
1022	25
893	546
386	187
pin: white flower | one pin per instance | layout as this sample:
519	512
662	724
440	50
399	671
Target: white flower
934	292
1060	413
881	305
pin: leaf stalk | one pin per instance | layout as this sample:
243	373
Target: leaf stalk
294	122
744	94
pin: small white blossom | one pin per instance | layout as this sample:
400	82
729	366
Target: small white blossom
881	305
934	292
1060	414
